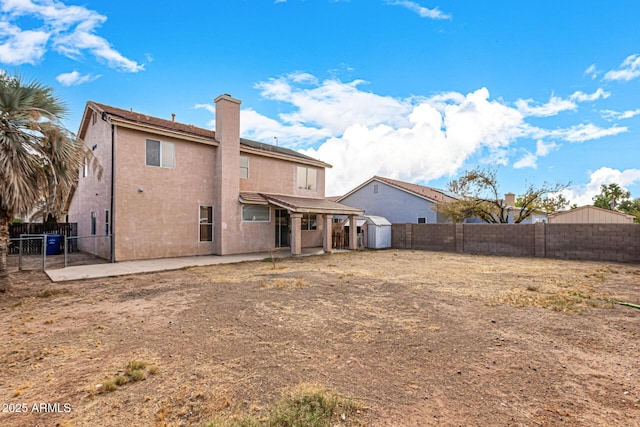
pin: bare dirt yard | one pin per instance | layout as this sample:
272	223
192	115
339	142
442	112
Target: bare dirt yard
415	338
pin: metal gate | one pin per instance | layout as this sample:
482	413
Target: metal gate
27	252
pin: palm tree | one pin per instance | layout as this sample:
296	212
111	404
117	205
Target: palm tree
610	196
39	157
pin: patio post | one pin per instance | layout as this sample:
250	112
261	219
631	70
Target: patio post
296	233
327	236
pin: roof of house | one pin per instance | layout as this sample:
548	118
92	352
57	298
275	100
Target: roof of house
299	204
191	130
591	208
429	193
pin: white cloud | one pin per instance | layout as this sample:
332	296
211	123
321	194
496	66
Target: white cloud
542	148
629	69
553	107
557	104
21	47
70	30
529	160
577	133
592	71
422	11
332	105
74	78
416	139
616	115
584	194
586	132
582	97
436	142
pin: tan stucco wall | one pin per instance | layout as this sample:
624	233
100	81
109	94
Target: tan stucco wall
276	176
162	220
93	194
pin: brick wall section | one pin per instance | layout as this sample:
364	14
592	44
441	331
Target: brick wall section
438	237
499	239
597	242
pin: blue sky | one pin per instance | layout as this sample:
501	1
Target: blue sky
414	90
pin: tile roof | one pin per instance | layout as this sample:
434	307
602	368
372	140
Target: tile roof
425	192
300	204
419	190
143	119
133	117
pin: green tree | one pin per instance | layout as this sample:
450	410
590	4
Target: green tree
478	195
631	207
610	196
39	157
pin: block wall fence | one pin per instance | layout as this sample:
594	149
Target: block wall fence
594	242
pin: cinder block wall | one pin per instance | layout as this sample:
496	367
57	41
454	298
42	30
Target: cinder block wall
499	239
598	242
601	242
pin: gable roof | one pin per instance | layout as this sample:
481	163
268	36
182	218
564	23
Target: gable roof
178	129
591	208
432	194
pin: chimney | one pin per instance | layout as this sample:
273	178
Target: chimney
173	117
226	185
227	119
509	199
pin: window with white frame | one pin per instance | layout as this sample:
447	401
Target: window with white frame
256	213
85	167
93	223
309	222
106	222
206	223
244	167
160	153
422	220
307	178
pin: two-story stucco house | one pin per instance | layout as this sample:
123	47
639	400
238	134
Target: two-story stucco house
171	189
398	201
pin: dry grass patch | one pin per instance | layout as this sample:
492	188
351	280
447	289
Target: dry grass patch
308	405
47	293
575	299
284	283
136	370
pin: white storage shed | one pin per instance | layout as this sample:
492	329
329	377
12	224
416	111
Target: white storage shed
378	232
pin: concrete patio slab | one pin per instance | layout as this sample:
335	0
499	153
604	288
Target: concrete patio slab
162	264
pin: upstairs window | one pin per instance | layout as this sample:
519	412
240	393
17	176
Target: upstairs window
422	220
244	167
307	178
160	153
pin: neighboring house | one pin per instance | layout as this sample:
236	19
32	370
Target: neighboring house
513	211
397	201
590	215
171	189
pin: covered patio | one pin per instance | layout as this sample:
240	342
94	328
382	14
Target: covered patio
297	207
